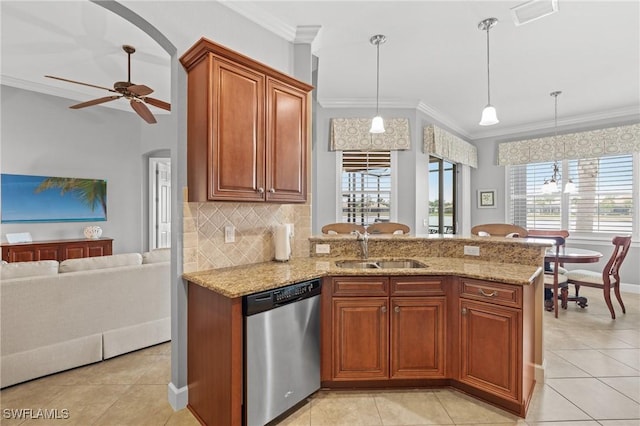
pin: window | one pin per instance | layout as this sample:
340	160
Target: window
602	202
442	196
366	187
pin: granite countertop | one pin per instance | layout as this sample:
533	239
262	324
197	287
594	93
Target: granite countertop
239	281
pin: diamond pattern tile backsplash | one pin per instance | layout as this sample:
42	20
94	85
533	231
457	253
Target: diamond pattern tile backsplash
204	223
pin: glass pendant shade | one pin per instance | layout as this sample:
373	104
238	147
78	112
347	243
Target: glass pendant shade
489	116
377	125
570	187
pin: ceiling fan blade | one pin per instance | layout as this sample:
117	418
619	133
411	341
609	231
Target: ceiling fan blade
158	103
143	111
140	90
95	102
77	82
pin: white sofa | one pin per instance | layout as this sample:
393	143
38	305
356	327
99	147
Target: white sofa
59	316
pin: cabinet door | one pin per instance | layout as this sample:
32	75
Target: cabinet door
99	248
490	348
286	148
418	337
23	254
236	157
360	338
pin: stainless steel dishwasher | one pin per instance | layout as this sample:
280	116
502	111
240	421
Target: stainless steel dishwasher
281	350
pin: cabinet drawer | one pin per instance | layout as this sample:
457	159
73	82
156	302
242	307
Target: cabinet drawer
501	294
360	286
418	286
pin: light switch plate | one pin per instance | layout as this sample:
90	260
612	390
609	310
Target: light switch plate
229	234
472	250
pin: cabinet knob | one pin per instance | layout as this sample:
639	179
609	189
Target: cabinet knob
464	311
396	309
260	190
494	293
383	309
271	190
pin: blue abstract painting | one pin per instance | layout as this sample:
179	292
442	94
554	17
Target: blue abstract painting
27	198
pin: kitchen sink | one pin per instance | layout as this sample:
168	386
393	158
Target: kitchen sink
380	264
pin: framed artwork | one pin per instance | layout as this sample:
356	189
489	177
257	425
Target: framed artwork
27	198
486	198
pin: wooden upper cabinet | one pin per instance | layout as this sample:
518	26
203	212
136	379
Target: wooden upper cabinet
248	128
287	123
236	157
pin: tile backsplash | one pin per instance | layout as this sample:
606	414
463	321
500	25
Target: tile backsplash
204	223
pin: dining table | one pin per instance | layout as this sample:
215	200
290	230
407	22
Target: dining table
572	255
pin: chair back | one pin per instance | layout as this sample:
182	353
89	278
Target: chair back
500	230
621	247
342	228
548	233
387	228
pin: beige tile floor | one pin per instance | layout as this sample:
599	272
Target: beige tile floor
593	378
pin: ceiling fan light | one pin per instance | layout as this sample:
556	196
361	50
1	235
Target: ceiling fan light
377	125
489	116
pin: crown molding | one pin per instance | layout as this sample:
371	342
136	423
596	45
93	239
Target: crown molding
306	33
261	17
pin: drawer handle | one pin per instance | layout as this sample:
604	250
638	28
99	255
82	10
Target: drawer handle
397	309
383	309
261	190
271	190
494	293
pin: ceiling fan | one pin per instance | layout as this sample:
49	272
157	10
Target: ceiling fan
135	93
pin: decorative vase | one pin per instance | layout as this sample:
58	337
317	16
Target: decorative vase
92	232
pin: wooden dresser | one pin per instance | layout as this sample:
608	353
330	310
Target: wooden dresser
57	249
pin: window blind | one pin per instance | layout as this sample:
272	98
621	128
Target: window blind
529	206
602	201
366	186
604	198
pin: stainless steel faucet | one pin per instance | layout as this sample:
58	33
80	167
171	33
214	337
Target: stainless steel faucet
364	242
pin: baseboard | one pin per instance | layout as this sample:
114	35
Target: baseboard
178	398
630	288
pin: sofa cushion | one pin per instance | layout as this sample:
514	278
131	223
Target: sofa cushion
100	262
157	255
28	269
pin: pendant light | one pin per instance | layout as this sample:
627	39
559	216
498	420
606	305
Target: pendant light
489	114
377	125
552	185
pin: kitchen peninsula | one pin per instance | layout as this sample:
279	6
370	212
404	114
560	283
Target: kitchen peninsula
468	322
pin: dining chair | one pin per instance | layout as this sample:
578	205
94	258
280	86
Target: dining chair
551	233
609	277
342	228
388	228
554	280
499	230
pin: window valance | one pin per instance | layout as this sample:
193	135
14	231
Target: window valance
449	147
353	134
594	143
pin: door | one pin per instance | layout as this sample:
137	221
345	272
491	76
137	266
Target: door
360	338
160	203
418	337
286	146
236	163
490	348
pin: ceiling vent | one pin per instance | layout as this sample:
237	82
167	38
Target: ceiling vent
532	10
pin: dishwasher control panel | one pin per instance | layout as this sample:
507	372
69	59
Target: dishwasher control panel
271	299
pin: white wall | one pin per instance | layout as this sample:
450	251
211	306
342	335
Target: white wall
40	135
